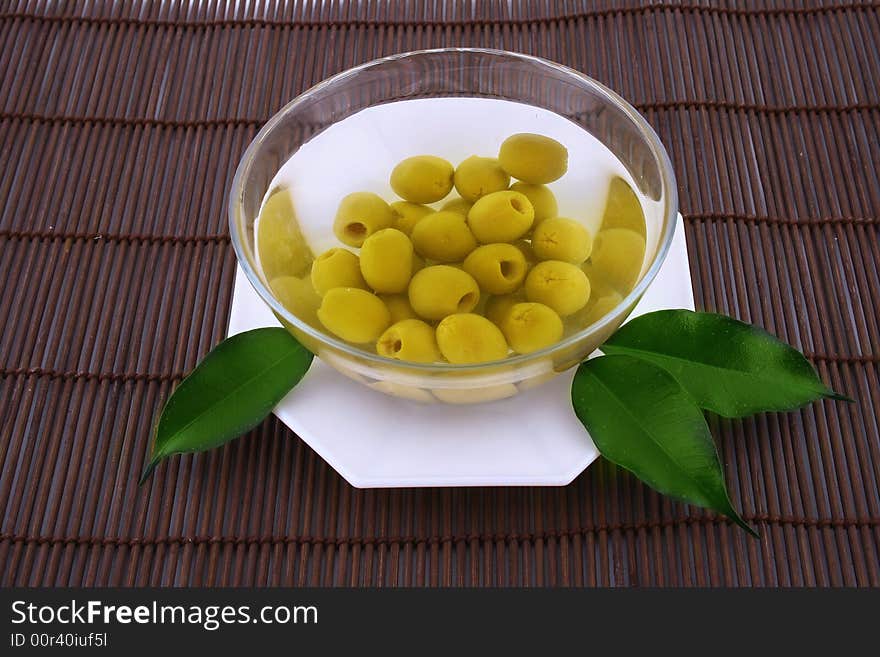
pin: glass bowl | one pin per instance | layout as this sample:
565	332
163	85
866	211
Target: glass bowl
457	72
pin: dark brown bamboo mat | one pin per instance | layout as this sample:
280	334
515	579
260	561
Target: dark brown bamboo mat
120	127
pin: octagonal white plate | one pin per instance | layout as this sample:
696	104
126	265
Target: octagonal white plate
377	441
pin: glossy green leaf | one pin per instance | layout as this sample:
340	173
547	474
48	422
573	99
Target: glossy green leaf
730	368
641	419
230	392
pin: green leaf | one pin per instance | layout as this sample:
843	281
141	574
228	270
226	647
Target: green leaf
641	419
730	368
230	392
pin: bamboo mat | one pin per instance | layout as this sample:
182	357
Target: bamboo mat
120	127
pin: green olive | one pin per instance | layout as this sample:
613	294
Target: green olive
404	390
497	268
360	215
601	306
441	290
407	215
398	307
485	393
480	308
418	262
457	205
443	237
478	176
283	249
529	327
563	239
422	179
387	261
525	247
533	159
541	198
467	338
603	299
501	217
622	209
353	314
298	296
618	254
597	307
559	285
498	307
410	339
598	284
337	268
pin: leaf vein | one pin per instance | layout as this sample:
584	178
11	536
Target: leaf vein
754	376
219	400
638	423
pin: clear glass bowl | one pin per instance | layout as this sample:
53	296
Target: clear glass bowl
457	72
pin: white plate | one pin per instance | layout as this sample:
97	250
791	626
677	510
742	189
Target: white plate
377	441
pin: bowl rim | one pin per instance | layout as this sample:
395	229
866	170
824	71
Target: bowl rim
668	188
